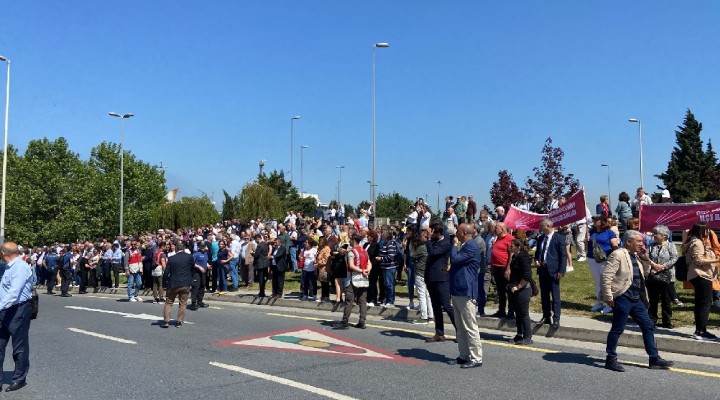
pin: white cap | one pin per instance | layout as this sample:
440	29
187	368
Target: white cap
665	194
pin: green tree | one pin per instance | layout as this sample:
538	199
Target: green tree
261	201
394	206
549	177
712	174
686	174
186	213
230	206
363	205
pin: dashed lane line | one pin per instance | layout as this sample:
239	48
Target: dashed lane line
283	381
101	336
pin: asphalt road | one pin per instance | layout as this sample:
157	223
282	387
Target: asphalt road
154	363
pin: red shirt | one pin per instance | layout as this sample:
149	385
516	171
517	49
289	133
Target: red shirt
501	251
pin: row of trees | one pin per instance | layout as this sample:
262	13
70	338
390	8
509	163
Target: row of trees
548	178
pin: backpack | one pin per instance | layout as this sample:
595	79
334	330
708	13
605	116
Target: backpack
361	256
156	257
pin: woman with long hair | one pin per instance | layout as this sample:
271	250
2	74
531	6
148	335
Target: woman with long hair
702	270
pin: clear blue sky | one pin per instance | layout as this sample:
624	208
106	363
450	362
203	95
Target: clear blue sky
466	88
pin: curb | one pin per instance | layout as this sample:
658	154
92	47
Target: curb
673	343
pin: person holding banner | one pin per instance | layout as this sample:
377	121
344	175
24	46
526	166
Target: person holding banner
602	241
702	270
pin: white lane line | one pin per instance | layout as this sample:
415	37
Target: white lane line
101	336
215	308
146	317
283	381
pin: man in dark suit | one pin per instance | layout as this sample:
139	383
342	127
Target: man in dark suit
436	277
551	262
279	265
177	279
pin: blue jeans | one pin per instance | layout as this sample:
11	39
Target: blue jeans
222	276
411	280
389	280
234	272
134	279
293	258
309	279
636	309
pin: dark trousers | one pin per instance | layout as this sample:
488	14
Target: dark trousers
278	282
521	304
500	284
658	292
15	324
703	301
106	267
198	287
440	299
376	278
116	269
482	295
65	279
51	279
623	308
358	295
549	294
261	276
324	289
309	279
40	273
147	282
83	279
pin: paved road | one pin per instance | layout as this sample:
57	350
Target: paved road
152	363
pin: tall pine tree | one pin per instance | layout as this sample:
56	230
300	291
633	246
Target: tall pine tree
713	173
686	175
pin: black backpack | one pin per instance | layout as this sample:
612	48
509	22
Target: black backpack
681	269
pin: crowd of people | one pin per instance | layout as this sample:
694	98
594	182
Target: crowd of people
453	266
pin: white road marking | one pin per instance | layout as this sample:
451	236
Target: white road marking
147	317
283	381
101	336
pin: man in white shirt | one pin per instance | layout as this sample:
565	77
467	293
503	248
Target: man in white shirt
641	198
235	248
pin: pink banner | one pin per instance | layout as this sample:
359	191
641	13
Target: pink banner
573	210
678	217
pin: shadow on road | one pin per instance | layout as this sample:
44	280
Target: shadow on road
572	358
422	354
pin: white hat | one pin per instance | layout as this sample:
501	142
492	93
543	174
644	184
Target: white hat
665	194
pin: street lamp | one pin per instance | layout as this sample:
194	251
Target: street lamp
381	45
5	152
292	126
641	148
303	147
438	198
122	117
340	168
608	174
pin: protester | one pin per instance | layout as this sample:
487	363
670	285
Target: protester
603	208
551	263
623	288
436	277
499	262
309	277
199	275
322	264
602	241
702	266
133	272
419	256
623	210
177	279
641	198
521	291
662	255
356	287
262	259
388	263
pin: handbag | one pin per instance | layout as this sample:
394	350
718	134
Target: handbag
681	269
661	277
598	253
35	299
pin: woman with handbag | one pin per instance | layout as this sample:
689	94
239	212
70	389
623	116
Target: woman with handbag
322	264
519	289
702	271
662	256
602	241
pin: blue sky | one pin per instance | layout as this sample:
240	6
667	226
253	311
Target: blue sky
466	88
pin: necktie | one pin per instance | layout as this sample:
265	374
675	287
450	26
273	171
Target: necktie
543	250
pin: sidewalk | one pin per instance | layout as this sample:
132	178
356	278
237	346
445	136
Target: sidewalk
572	327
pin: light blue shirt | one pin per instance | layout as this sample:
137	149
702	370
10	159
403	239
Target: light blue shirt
16	284
117	256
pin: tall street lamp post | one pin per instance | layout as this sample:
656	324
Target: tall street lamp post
122	117
5	152
292	128
438	196
340	168
303	147
374	184
635	120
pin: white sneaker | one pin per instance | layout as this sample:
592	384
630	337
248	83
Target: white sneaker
606	310
597	307
318	300
133	299
582	258
386	305
371	304
569	269
138	299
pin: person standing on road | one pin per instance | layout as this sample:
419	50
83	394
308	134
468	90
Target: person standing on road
15	312
551	262
50	263
436	277
134	271
199	276
623	288
464	268
177	279
66	272
235	248
419	256
356	287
